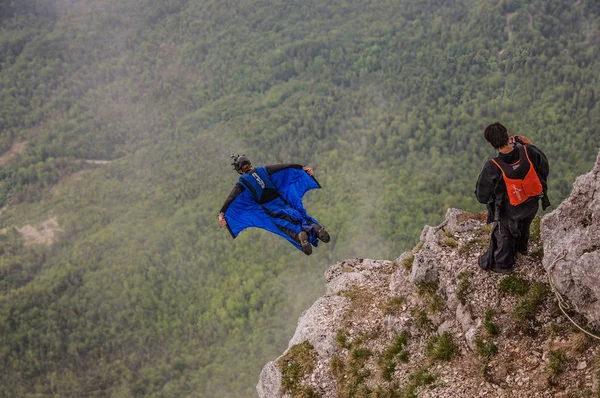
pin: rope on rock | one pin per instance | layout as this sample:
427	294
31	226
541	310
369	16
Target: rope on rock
562	303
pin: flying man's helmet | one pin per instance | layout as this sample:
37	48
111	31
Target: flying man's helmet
239	161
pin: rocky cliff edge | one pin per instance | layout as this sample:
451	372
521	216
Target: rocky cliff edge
431	323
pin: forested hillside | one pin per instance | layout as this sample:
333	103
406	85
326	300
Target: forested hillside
117	119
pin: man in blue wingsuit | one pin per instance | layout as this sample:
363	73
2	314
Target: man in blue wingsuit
270	197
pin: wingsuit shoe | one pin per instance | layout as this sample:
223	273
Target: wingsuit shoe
306	246
322	234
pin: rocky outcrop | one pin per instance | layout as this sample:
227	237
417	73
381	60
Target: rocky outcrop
571	236
432	323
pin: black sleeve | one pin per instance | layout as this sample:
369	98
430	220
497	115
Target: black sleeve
274	168
542	167
487	182
237	189
540	161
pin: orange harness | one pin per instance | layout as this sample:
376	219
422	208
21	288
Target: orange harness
522	182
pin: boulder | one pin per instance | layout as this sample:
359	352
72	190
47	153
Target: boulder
571	236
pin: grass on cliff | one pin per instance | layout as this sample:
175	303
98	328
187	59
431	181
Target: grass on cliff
392	355
463	285
393	305
298	362
441	347
429	292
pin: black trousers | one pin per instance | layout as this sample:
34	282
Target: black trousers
509	235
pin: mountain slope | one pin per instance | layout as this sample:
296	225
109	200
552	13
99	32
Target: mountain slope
142	293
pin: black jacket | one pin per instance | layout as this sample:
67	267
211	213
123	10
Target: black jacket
491	190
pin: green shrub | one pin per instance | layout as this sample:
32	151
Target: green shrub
485	349
341	338
490	327
420	378
429	291
556	364
294	365
441	347
393	354
526	307
408	262
535	230
422	322
463	285
450	242
513	285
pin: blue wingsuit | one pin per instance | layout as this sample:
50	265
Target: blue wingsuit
270	197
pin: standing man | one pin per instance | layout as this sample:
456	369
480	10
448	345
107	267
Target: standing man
270	197
510	185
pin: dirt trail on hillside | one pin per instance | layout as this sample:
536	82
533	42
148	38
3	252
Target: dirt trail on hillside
44	233
16	147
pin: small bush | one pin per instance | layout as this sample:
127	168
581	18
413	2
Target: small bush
450	242
537	254
490	327
526	308
535	230
393	354
360	354
351	373
556	364
441	348
463	285
341	338
513	285
393	305
337	365
422	322
294	365
421	377
485	349
408	262
429	291
486	230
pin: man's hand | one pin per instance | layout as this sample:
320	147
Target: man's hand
222	220
523	140
309	170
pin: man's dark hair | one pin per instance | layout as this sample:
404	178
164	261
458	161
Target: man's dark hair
496	134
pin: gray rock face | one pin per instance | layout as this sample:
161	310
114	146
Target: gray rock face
425	267
573	230
318	326
269	384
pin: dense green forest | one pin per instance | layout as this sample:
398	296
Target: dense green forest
118	117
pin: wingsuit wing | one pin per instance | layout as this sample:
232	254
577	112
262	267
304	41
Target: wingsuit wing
244	212
292	184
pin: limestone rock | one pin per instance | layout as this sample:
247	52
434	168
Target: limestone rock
573	230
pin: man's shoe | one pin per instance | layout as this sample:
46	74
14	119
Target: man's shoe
306	246
322	234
